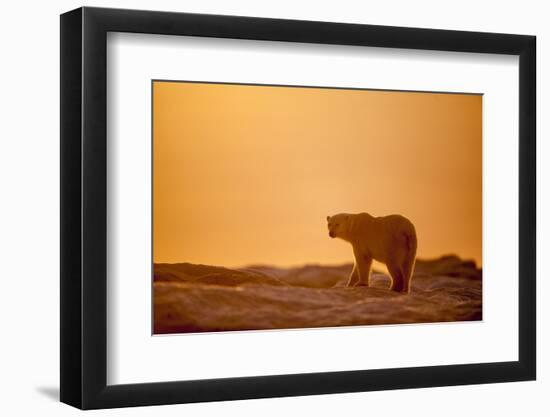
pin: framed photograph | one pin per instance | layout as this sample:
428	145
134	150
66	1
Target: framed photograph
258	207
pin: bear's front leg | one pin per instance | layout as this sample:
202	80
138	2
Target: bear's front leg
363	263
353	278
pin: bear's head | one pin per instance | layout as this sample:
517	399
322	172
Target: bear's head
338	225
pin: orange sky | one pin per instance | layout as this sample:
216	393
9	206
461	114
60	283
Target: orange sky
247	174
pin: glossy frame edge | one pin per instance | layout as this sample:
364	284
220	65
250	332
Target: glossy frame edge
83	154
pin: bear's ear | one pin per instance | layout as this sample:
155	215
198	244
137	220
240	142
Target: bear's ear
328	218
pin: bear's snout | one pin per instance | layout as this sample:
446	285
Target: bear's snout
331	233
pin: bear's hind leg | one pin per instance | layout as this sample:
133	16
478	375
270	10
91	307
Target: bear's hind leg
408	269
397	279
407	266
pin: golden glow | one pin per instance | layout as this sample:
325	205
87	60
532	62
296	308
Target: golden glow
247	174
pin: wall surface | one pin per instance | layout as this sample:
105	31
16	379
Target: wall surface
29	238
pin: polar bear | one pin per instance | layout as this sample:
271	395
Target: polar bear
388	239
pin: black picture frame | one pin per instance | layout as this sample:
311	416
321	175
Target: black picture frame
84	207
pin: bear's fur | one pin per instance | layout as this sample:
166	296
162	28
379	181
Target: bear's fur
388	239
